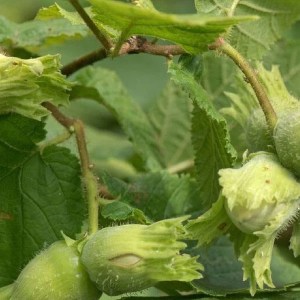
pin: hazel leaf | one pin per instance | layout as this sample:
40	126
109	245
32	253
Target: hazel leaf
192	32
276	17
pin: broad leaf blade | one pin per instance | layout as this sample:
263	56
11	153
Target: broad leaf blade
279	295
104	86
276	17
57	13
119	211
40	194
170	117
192	32
159	195
210	135
223	272
34	35
218	76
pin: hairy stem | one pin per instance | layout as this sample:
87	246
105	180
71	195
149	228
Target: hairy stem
93	27
251	76
90	181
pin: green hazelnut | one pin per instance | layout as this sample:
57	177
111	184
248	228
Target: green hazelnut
55	273
287	140
134	257
258	135
259	192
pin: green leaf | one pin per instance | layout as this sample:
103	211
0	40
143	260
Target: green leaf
276	17
286	54
210	136
158	195
118	211
110	92
218	76
285	267
40	194
55	12
290	295
223	272
192	32
226	90
26	83
36	34
295	239
170	117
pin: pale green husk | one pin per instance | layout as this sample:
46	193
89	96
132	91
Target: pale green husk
256	202
133	257
258	191
26	83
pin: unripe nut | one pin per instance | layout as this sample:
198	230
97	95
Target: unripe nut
130	258
287	140
259	193
55	273
258	135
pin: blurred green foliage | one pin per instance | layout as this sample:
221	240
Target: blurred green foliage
143	75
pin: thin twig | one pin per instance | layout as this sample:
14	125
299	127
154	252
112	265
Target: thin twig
83	61
138	44
90	181
59	116
134	45
107	44
251	76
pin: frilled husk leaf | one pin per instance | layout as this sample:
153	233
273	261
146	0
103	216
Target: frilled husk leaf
26	83
257	201
133	257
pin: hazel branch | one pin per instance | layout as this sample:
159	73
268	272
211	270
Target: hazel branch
138	44
83	61
134	45
90	181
